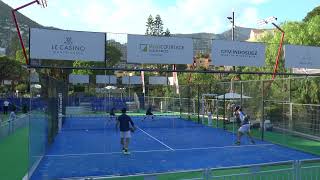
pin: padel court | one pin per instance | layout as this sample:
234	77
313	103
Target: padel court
90	147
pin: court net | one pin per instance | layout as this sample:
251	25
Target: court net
105	122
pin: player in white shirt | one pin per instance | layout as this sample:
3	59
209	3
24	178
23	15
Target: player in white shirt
245	125
5	107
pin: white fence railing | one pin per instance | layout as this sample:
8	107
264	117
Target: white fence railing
11	126
286	170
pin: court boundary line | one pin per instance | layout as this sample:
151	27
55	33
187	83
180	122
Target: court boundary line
30	171
156	139
160	150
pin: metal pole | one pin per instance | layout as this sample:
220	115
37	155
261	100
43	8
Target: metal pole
232	26
224	111
198	103
279	50
232	32
20	37
262	114
241	92
18	29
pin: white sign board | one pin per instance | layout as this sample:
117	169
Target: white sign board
131	80
67	45
171	81
78	79
7	82
302	56
159	50
305	71
34	77
234	53
161	80
106	79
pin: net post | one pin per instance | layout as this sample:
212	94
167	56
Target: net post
224	110
189	101
180	104
217	111
202	109
241	92
262	114
198	89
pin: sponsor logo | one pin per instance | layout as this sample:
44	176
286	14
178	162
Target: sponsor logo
159	49
68	47
306	60
239	53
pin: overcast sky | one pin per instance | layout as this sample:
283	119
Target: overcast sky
180	16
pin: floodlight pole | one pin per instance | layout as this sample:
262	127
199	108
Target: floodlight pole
232	25
231	19
275	69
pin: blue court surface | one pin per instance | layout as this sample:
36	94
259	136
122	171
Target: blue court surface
91	147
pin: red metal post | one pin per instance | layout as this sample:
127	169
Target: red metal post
279	52
28	4
18	29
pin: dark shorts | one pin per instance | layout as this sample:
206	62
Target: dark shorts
149	113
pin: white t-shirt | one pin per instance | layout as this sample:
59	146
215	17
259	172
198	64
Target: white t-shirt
6	103
242	118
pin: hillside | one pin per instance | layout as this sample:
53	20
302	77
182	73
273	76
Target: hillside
241	34
8	33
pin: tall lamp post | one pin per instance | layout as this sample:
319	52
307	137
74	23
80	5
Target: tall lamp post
271	20
231	19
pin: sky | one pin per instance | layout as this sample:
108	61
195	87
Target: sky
179	16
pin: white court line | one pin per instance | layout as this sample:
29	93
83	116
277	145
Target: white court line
33	168
223	147
156	139
108	153
160	150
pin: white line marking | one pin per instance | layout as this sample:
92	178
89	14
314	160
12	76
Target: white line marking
156	139
33	168
223	147
157	150
109	153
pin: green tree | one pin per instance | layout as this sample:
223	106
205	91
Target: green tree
20	56
311	14
155	26
158	26
11	69
167	32
83	64
299	33
113	55
14	46
149	25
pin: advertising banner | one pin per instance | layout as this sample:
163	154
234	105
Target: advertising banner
67	45
131	80
159	50
106	79
160	80
78	79
302	56
234	53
